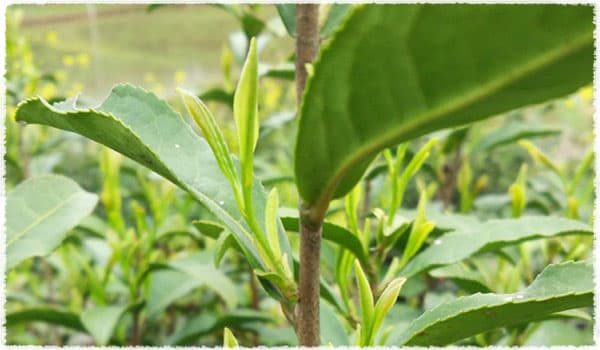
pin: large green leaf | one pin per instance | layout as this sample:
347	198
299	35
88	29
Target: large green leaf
144	128
40	212
395	72
559	287
490	236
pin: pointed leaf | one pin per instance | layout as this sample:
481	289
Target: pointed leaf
511	133
384	304
229	340
47	314
385	78
287	12
245	113
559	287
490	236
212	134
367	308
40	212
208	228
224	243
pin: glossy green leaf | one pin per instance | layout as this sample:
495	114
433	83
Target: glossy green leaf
46	314
40	212
396	72
101	321
137	124
489	236
511	133
559	287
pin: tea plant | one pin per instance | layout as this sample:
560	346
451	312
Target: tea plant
385	75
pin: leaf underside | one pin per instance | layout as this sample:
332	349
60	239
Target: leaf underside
139	125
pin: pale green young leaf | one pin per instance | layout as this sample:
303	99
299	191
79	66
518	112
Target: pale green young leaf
271	222
213	135
419	158
419	232
384	304
400	153
229	340
366	302
411	169
245	113
352	201
581	169
540	156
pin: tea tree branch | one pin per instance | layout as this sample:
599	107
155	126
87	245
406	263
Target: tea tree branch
307	309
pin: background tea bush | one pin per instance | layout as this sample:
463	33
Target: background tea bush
105	282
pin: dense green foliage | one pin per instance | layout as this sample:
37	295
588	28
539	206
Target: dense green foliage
174	220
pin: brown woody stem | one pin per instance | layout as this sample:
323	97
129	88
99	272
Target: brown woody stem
307	309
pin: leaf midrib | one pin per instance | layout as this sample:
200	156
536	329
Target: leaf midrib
169	173
44	217
453	105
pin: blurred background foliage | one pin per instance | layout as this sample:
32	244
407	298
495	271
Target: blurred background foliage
127	252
